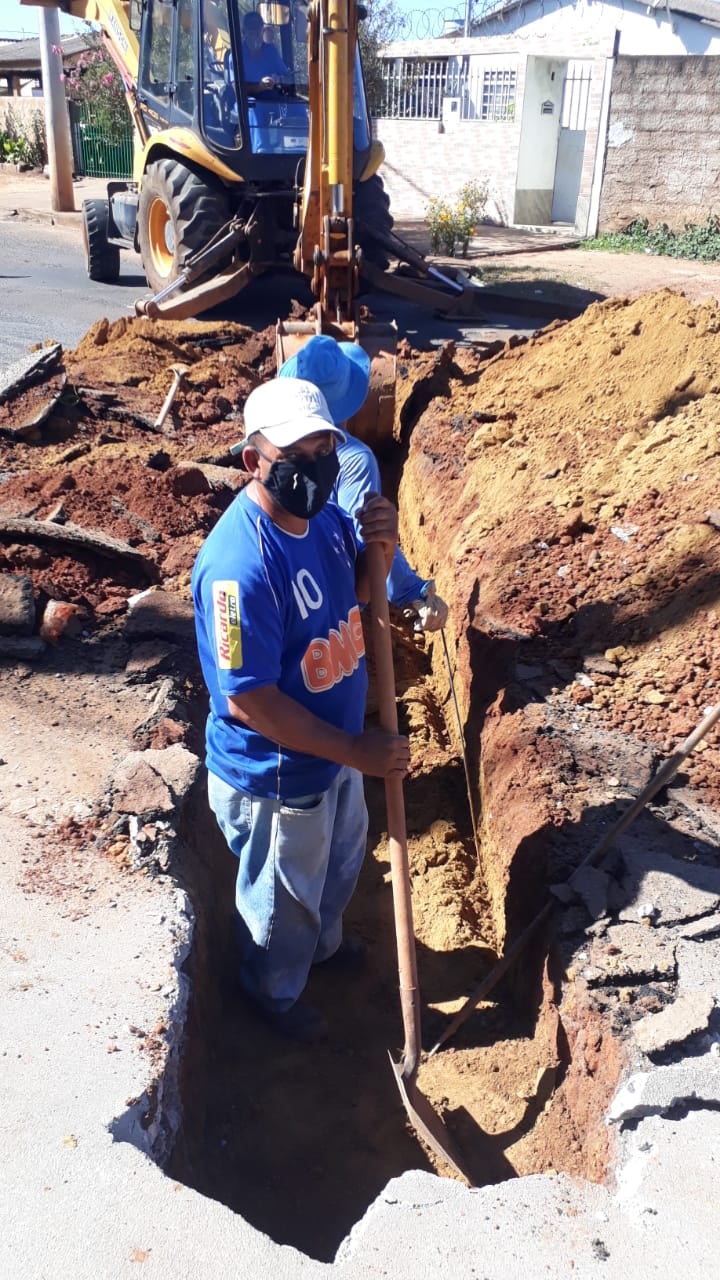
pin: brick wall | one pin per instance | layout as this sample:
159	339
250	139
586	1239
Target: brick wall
663	152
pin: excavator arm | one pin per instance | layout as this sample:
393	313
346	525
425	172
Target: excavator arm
113	17
325	250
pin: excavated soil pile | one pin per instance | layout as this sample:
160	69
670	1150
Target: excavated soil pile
573	486
99	462
564	494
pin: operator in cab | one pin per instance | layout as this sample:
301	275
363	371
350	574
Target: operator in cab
262	65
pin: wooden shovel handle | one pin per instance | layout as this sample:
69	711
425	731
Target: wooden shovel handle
397	834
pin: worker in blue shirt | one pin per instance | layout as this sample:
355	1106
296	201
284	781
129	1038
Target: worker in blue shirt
342	372
277	587
262	64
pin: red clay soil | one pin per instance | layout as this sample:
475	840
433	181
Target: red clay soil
572	485
564	493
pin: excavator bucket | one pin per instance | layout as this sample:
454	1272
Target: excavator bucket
374	423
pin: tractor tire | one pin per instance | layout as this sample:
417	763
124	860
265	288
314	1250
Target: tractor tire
103	259
372	210
178	213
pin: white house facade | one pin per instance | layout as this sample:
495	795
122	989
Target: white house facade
550	103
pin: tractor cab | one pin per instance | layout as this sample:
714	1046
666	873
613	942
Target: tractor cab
236	72
256	84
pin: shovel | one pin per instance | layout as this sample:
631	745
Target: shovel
423	1119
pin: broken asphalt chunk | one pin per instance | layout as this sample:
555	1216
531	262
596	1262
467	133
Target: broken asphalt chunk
17	605
678	890
687	1015
28	369
72	536
28	647
161	615
148	658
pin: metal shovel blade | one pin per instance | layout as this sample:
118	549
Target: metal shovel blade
426	1123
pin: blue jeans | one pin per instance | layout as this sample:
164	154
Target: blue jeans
299	861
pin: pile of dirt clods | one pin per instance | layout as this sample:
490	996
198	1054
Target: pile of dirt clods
564	493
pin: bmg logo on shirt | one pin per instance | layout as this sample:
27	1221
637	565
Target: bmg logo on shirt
226	614
327	662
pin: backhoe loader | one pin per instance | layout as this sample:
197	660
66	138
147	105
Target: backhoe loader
222	93
253	151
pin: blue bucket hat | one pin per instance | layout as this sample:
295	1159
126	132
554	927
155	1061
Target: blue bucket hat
340	369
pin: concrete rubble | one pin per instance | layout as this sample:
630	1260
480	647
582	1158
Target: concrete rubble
687	1015
655	1092
631	953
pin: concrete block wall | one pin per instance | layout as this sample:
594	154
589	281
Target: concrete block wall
663	151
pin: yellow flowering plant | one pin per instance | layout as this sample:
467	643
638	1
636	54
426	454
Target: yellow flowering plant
451	223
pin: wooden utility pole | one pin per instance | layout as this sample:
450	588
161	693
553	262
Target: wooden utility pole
57	123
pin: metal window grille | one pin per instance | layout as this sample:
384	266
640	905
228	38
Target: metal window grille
576	93
413	88
498	94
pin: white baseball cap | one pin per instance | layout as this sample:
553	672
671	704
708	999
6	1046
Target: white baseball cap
286	410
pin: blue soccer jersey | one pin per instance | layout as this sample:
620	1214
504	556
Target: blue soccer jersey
275	608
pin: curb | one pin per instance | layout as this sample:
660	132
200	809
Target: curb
55	218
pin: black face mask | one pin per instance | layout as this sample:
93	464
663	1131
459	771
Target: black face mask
303	486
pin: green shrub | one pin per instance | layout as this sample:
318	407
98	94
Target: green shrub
701	242
23	141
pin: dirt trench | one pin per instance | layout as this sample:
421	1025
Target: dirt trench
563	492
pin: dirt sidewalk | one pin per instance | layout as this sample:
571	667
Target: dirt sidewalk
29	196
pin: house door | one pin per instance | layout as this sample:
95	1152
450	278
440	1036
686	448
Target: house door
571	143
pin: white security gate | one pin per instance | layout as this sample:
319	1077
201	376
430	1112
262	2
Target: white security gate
571	142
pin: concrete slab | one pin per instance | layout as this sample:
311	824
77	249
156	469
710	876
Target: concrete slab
668	1185
699	967
655	1222
657	1091
678	890
687	1015
632	952
705	927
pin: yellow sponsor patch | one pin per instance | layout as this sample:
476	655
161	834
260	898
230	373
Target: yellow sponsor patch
226	612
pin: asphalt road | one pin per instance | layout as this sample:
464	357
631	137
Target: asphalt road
45	294
44	289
